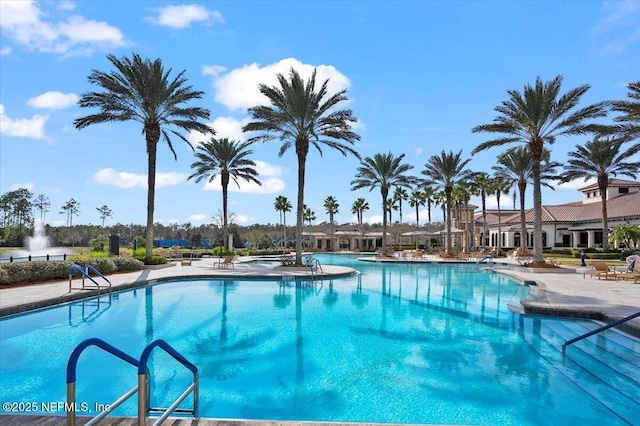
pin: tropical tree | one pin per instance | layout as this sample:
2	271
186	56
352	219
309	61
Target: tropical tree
141	90
300	116
43	204
515	168
331	206
416	199
629	121
391	206
445	171
501	186
228	159
358	208
105	212
484	185
399	195
428	194
462	193
600	158
283	205
383	171
308	216
534	117
626	233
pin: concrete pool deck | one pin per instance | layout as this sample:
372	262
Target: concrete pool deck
557	294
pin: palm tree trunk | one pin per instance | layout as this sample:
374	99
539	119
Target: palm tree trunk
152	144
499	223
284	228
538	256
522	187
447	192
225	227
484	217
302	158
385	193
603	184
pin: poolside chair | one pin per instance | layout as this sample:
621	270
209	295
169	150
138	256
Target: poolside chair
633	274
600	269
225	262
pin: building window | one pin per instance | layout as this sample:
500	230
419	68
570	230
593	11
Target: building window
623	190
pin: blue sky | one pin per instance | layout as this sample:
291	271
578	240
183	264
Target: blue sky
419	76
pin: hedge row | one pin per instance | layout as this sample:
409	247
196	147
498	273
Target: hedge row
28	272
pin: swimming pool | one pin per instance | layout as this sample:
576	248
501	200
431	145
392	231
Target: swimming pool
402	343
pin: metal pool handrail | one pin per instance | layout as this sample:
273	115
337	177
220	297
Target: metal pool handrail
596	331
85	274
71	378
143	385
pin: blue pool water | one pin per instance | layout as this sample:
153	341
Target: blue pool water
410	343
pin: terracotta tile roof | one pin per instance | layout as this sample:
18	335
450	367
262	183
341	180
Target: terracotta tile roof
612	182
623	207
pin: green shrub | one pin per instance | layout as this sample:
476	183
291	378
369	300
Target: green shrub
127	264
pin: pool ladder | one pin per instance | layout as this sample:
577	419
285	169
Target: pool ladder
313	265
142	388
85	273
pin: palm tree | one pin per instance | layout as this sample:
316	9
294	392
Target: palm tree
515	168
358	207
283	205
300	116
600	158
484	184
445	171
383	171
416	199
141	90
227	158
462	192
428	194
629	127
533	118
500	186
398	195
331	206
391	206
308	216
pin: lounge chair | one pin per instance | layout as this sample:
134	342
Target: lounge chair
225	262
633	274
600	269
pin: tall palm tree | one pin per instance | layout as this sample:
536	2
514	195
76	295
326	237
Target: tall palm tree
391	206
283	205
515	168
428	194
308	216
141	90
358	208
629	127
300	116
445	171
332	207
535	117
600	158
416	199
501	186
399	195
383	171
484	185
462	192
227	158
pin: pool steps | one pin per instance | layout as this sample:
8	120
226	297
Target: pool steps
618	375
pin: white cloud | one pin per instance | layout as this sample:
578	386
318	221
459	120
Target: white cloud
269	186
238	89
267	169
225	127
418	151
243	218
574	184
66	5
53	100
6	50
23	127
213	70
184	15
618	28
26	24
197	217
131	180
374	220
27	185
